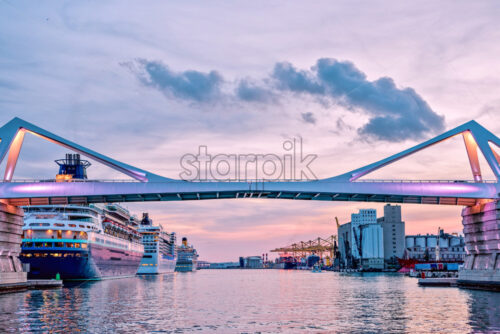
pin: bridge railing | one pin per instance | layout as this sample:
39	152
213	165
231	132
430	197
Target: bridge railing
137	181
73	180
425	181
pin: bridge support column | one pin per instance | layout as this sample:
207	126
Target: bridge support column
11	222
482	241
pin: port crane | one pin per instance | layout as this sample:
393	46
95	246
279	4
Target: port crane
323	247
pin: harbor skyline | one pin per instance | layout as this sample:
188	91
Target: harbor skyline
252	167
91	91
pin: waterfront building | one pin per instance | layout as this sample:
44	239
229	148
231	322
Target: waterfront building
372	246
394	235
423	247
344	237
224	265
252	262
367	239
363	217
203	265
370	242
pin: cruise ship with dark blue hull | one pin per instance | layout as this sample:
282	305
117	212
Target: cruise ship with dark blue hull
80	242
71	241
96	262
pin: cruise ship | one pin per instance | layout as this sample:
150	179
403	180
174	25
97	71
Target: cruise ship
160	254
80	242
187	257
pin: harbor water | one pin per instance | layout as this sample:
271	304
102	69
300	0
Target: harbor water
267	301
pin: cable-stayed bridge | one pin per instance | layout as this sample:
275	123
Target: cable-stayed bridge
146	186
481	215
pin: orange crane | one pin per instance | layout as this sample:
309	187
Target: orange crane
323	247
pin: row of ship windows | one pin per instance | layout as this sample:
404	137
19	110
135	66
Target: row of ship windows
51	234
112	243
54	244
54	255
148	264
66	210
62	225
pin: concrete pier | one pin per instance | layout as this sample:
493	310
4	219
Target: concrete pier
31	285
482	241
437	281
11	223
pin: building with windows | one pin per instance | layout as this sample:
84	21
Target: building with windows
372	243
204	265
363	217
252	262
224	265
372	246
344	238
394	235
361	241
425	247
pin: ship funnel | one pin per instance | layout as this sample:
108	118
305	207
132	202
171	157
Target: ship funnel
185	242
146	220
72	167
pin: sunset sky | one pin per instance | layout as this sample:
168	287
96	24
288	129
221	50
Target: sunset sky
356	81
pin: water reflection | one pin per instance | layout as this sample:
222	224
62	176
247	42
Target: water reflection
251	301
484	311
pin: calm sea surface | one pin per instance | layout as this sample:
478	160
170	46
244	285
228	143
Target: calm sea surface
235	301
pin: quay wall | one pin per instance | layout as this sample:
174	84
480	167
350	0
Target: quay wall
11	223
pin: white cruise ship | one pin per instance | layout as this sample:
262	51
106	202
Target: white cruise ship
80	242
187	257
160	254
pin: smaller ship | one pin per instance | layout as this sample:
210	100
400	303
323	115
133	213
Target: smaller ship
160	254
187	257
286	261
313	260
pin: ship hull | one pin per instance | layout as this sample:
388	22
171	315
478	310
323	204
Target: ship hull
157	266
185	267
98	262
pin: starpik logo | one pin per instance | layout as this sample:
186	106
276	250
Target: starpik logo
293	164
